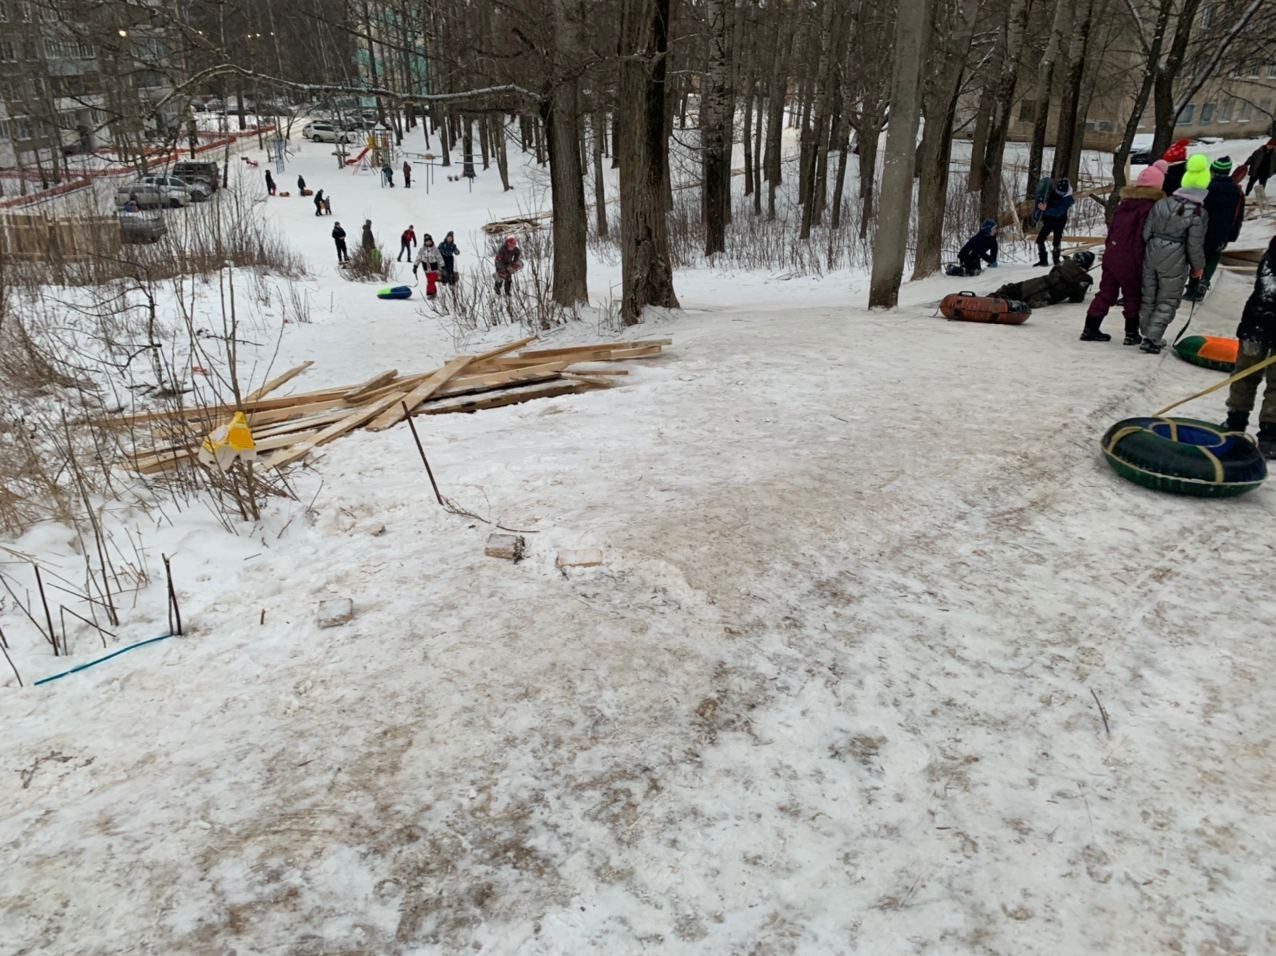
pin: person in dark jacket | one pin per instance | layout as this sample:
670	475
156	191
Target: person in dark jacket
270	184
1225	204
406	241
301	185
449	252
1257	334
1261	163
319	203
980	248
366	240
1122	275
1068	280
339	237
1176	165
407	175
509	259
1054	216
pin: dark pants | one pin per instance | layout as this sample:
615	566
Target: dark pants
407	180
1051	225
504	283
404	247
971	265
341	251
1112	286
449	270
1243	392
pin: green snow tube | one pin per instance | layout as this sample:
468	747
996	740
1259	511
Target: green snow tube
1184	456
1209	351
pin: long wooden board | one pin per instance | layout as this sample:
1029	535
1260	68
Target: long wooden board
335	430
276	382
385	378
392	416
512	396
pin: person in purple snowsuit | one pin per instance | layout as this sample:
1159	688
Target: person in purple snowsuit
1123	257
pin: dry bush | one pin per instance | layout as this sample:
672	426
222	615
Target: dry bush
368	265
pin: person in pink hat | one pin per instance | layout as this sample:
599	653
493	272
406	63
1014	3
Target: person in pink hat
1123	257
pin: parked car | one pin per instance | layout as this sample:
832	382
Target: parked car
206	174
180	192
141	226
321	131
147	195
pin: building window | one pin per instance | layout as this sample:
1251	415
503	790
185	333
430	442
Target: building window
21	128
4	131
84	51
24	12
1271	71
1185	118
7	53
4	13
1246	112
1225	112
1028	111
1207	114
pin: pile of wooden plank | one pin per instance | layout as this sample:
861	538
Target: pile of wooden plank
287	429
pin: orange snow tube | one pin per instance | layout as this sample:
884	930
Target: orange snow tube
968	307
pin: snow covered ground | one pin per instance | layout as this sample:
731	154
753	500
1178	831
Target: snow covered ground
834	690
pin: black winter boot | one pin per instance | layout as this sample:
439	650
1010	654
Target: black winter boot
1267	440
1091	331
1150	346
1236	421
1132	338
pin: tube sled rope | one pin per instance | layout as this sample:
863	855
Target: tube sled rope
1184	456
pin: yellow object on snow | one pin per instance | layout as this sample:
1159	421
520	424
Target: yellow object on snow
228	444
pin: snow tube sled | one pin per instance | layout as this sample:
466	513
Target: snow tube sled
968	307
1209	351
397	292
1184	456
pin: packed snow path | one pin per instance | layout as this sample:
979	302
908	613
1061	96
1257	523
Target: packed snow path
834	690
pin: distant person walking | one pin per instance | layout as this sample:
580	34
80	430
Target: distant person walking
428	260
367	240
301	185
339	239
407	175
387	174
449	252
270	184
1261	163
1054	216
319	203
509	259
406	242
1174	249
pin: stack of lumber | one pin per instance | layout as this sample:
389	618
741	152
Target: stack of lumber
287	429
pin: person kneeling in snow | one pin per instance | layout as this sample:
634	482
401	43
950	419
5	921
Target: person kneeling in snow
980	248
1068	280
1257	334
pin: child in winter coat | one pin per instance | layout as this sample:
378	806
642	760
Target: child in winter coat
406	241
509	259
1261	163
367	240
1123	257
1225	204
449	252
1176	165
1257	334
339	238
1068	280
1174	241
981	247
1054	216
428	261
270	183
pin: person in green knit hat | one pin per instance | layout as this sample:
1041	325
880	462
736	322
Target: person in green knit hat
1225	205
1174	248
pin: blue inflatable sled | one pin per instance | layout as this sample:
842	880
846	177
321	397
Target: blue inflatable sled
397	292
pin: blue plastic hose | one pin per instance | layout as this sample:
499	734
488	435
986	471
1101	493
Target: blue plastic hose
153	640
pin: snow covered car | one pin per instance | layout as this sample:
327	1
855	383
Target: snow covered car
146	195
141	226
180	192
207	175
323	132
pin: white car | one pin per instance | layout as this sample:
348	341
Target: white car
179	191
321	131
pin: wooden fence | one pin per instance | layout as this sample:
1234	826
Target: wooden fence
37	238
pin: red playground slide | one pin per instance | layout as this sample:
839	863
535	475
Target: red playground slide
357	159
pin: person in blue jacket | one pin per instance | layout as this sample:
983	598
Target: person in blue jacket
1054	216
980	248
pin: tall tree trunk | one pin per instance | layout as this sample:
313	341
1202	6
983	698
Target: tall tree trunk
979	141
1070	105
1153	52
597	134
715	122
757	157
747	136
1010	53
646	260
1045	87
891	243
498	147
843	140
560	111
